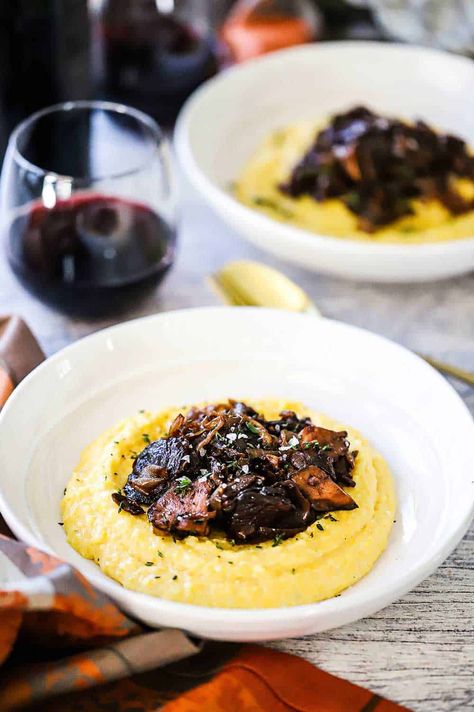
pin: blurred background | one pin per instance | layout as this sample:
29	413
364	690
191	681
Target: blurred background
151	54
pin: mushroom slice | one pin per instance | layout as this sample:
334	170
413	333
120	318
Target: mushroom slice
261	430
214	427
334	447
176	425
150	477
186	513
335	440
321	490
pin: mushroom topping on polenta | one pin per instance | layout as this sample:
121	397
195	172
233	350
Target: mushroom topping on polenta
377	166
226	467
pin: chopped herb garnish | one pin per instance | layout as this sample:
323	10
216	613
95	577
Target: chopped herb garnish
175	577
149	563
330	516
218	545
258	546
320	526
316	444
277	540
263	202
230	562
146	438
352	200
293	571
61	524
157	576
182	485
160	554
253	428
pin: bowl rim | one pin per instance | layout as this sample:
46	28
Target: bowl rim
347	609
301	237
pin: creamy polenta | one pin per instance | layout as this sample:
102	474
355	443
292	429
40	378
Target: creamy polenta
330	555
272	163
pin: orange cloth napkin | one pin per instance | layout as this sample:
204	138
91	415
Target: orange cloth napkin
59	637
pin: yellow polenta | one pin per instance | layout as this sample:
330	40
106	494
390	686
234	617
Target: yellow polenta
314	565
272	164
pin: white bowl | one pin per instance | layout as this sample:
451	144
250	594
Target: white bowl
224	121
403	406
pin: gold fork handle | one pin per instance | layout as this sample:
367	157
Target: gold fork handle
454	371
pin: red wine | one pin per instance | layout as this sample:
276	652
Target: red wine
153	61
90	255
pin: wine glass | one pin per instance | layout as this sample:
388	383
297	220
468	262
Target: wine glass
88	206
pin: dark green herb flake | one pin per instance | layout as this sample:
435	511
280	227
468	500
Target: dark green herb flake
182	485
277	540
263	202
253	428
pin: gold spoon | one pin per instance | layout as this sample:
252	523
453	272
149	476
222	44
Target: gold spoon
251	284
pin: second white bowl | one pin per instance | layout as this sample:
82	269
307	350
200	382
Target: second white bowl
223	123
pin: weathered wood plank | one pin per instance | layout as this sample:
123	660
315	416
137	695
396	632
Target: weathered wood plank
419	651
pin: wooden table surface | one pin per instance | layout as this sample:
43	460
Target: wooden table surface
420	650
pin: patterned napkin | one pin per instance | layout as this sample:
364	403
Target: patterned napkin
59	637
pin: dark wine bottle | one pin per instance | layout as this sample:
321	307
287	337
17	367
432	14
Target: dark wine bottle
44	57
